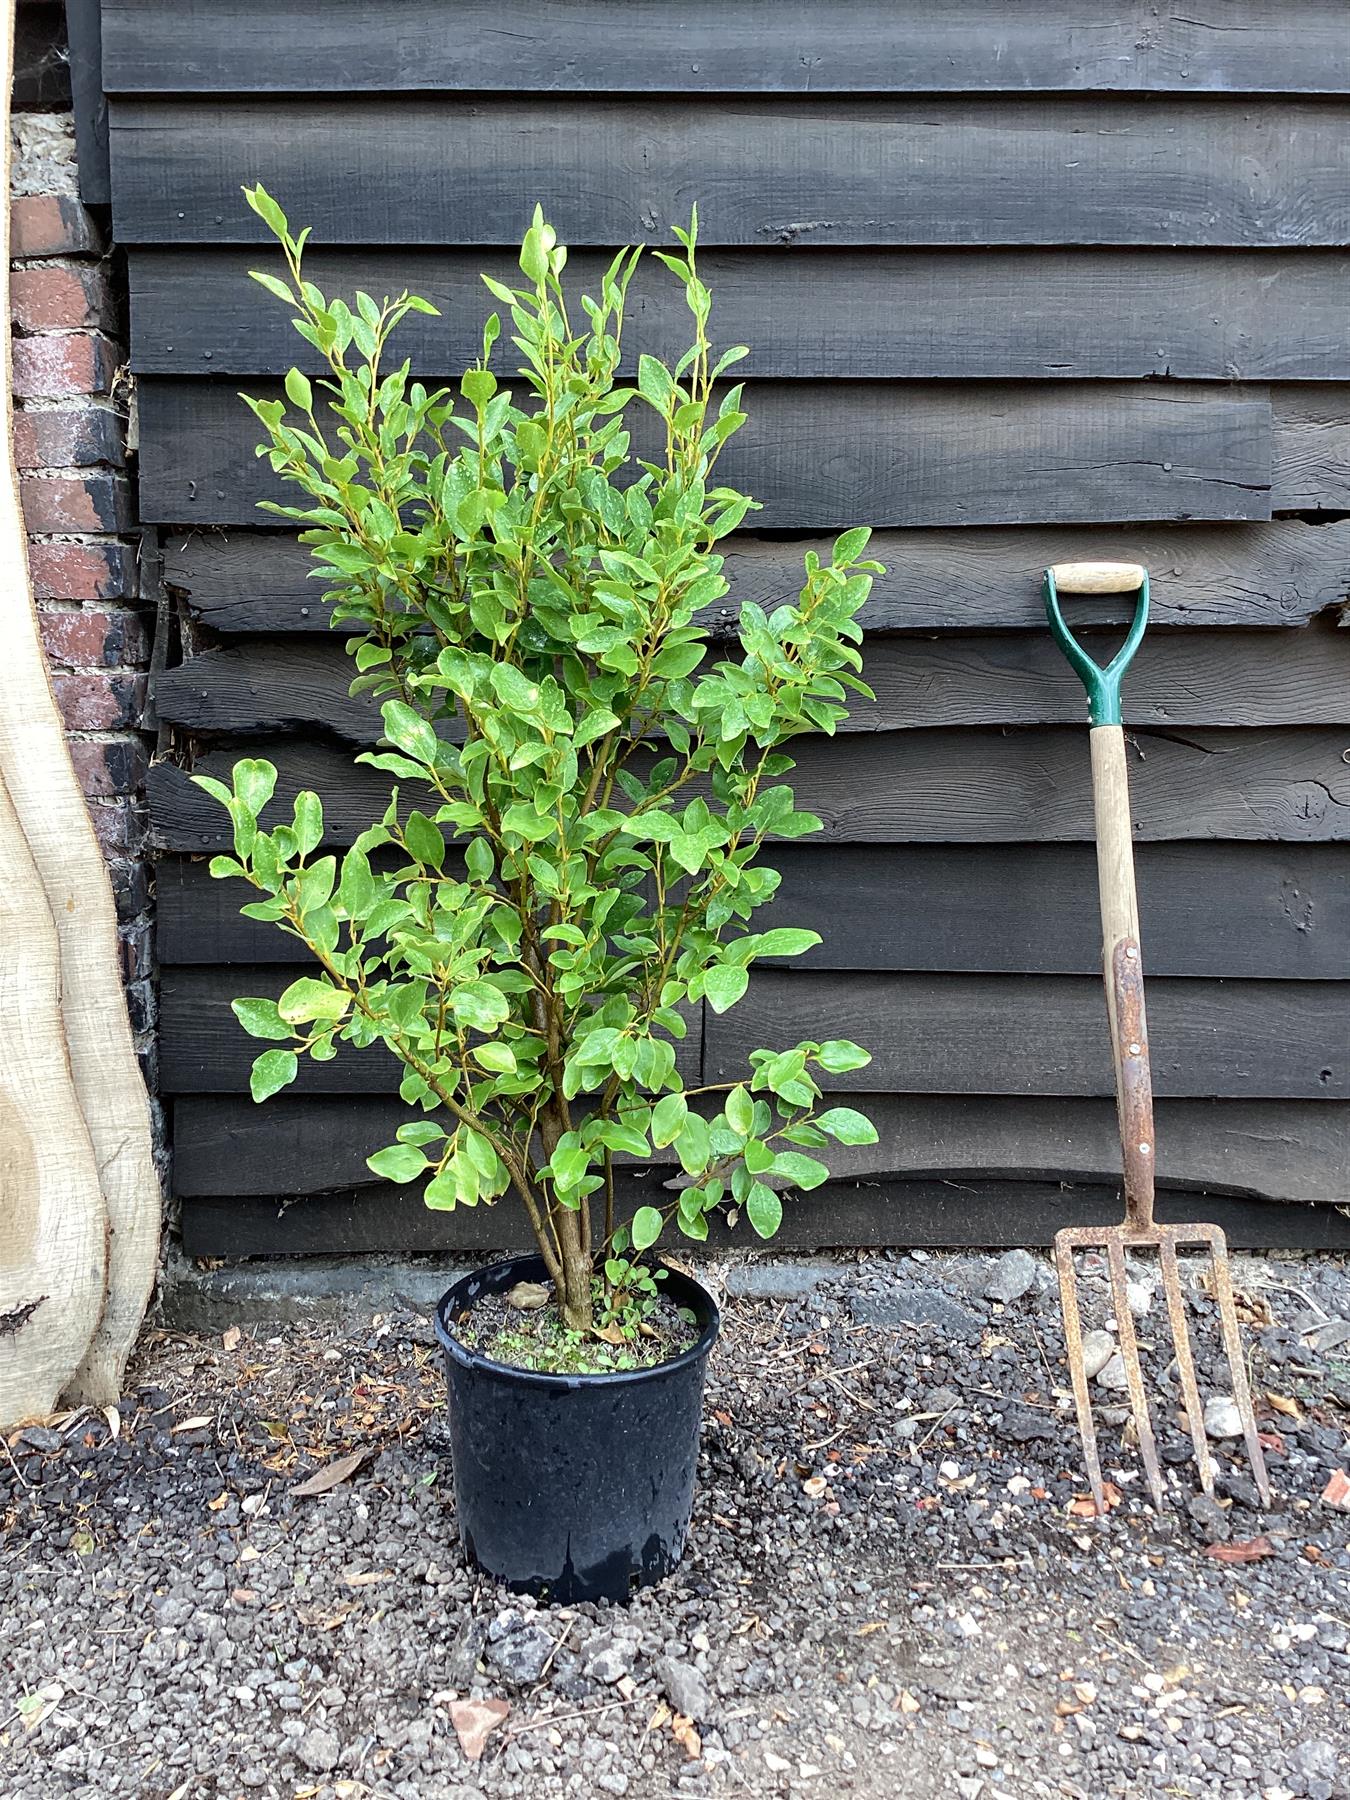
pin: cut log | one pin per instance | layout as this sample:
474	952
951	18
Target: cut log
67	878
53	1238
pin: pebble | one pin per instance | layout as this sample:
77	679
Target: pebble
319	1749
1013	1274
1222	1418
1112	1374
685	1687
1098	1349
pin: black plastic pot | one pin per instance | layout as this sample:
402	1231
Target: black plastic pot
577	1487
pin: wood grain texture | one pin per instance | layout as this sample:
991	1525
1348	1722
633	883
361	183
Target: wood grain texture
868	1215
982	579
1193	678
941	786
1311	451
205	1050
1291	1150
820	455
821	171
724	46
1043	1034
1252	910
847	314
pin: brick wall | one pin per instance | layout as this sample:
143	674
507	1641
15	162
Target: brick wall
78	500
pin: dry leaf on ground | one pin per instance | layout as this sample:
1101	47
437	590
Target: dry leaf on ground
1245	1551
330	1475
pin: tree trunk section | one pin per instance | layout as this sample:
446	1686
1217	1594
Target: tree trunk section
53	1226
65	879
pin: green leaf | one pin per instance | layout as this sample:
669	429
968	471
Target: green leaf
272	1071
740	1111
480	1005
400	1162
764	1210
724	984
478	859
849	547
308	822
838	1056
847	1125
261	1018
308	999
298	390
497	1057
785	941
693	1146
409	731
222	866
647	1223
668	1116
254	783
801	1171
356	890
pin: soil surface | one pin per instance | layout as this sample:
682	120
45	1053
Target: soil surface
533	1336
890	1588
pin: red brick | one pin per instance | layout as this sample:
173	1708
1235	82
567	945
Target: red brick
118	827
74	503
52	225
98	701
74	362
74	438
90	638
108	768
66	297
82	571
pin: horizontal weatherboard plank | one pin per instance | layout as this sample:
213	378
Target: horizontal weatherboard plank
977	171
722	46
1190	678
940	786
854	314
928	1034
981	579
1032	1034
1296	1150
824	454
984	1214
1251	910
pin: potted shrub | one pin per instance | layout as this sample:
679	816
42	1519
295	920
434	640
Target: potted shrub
568	864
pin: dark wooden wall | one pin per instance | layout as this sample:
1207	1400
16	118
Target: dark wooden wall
1022	282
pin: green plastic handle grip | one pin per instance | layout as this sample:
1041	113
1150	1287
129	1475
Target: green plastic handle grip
1102	684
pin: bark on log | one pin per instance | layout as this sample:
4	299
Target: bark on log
53	1224
66	878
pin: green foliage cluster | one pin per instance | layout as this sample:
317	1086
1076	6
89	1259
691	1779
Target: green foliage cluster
572	852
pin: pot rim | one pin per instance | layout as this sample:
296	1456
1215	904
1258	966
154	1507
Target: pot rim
527	1267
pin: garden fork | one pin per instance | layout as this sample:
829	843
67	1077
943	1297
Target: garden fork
1123	973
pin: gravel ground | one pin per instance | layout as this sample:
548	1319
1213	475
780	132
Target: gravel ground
888	1589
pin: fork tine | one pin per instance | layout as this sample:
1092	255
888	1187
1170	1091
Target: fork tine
1073	1343
1232	1344
1134	1374
1181	1340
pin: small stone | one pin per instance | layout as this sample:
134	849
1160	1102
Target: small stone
1139	1297
685	1688
941	1400
319	1749
1011	1277
936	1316
1317	1759
528	1296
41	1437
1098	1349
1222	1418
612	1781
1112	1374
605	1659
521	1654
1210	1517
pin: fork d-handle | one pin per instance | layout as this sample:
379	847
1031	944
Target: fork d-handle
1122	964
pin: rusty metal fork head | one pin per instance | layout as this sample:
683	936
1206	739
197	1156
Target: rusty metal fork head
1137	1235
